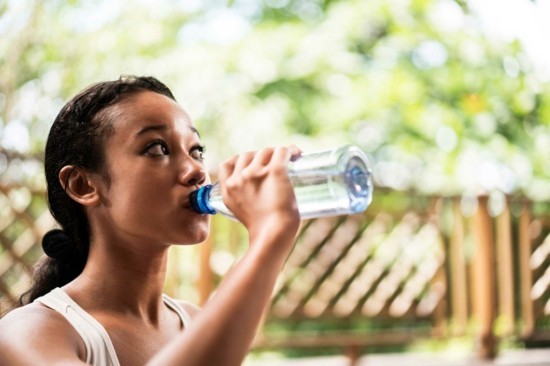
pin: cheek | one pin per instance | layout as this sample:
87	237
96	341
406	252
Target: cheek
133	184
140	200
132	197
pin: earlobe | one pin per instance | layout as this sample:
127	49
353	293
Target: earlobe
79	185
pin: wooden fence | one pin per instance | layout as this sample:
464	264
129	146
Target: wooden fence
410	268
454	267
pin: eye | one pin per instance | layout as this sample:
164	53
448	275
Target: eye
197	152
157	148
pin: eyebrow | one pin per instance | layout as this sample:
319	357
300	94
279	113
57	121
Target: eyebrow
155	127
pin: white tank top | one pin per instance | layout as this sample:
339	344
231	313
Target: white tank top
99	348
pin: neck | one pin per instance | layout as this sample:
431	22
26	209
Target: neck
127	279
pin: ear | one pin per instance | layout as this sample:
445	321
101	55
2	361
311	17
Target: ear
79	185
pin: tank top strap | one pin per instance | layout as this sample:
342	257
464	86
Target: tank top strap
99	348
182	313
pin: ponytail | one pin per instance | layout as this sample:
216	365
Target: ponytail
63	262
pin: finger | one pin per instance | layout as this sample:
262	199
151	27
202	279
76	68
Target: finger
263	157
244	160
295	152
282	155
227	168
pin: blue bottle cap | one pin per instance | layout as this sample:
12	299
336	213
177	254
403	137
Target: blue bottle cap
199	200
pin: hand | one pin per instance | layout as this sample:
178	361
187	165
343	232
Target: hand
256	188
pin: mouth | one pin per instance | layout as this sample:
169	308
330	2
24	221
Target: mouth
187	203
189	207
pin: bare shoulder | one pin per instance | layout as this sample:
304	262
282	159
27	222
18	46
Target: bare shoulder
30	318
37	328
192	309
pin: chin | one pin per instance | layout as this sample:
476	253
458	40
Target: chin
200	238
194	235
191	242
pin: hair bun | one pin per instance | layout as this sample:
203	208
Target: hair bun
58	245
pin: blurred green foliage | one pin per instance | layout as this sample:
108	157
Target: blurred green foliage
439	106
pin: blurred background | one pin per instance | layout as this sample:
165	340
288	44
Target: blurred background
450	99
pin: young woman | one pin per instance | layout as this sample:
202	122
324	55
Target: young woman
121	159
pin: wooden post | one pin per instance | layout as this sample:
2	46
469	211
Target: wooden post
459	296
526	276
505	270
353	353
484	280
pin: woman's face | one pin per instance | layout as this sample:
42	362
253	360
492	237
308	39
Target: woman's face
153	161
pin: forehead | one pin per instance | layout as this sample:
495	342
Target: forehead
149	109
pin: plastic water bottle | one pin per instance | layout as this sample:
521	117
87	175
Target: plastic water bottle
326	183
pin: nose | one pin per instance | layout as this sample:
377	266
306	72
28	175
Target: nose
194	175
196	181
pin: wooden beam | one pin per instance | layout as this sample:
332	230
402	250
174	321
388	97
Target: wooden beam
526	276
458	287
483	282
505	270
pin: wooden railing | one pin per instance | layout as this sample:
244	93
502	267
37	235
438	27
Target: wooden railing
435	267
410	268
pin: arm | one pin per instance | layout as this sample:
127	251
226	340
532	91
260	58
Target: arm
257	190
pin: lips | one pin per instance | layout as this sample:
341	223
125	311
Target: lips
188	206
186	202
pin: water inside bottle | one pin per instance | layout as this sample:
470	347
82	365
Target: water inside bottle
326	183
329	192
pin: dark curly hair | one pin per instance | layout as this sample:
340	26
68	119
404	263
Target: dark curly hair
77	138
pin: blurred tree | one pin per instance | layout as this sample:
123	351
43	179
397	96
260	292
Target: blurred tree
440	107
